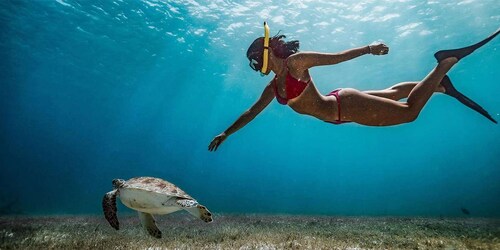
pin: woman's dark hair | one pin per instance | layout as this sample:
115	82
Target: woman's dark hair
280	48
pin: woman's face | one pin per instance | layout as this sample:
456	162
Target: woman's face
256	61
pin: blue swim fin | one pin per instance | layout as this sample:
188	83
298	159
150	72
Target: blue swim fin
465	51
451	91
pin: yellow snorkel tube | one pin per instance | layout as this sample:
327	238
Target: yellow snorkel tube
265	57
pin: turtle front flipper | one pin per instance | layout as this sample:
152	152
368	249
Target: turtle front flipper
205	215
109	209
195	209
148	222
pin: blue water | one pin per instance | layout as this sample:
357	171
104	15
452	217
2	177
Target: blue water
97	90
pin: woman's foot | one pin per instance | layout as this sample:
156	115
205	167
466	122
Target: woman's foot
465	51
446	64
450	90
448	87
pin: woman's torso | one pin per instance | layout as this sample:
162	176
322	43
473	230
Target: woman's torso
310	101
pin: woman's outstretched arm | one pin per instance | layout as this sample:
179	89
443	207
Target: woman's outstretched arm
306	60
247	116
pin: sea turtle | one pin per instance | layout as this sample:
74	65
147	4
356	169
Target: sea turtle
149	195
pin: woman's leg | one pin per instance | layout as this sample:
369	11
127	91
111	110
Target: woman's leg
402	90
398	91
373	110
422	92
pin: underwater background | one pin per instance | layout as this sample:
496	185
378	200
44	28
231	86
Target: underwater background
96	90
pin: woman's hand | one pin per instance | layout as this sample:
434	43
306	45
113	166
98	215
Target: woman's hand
378	49
217	141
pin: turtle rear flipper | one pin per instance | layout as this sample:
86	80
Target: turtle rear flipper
148	222
195	209
109	209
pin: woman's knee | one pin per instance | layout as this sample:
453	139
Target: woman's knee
411	114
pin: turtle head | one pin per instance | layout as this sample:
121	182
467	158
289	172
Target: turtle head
118	183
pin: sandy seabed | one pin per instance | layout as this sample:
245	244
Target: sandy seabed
182	231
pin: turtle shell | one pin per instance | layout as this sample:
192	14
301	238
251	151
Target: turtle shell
156	185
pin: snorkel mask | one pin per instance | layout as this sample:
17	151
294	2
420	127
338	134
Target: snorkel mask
254	63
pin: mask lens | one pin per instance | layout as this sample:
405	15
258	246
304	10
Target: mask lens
253	64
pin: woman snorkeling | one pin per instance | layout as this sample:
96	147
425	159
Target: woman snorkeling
292	85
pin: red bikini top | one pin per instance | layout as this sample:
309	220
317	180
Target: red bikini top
293	87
